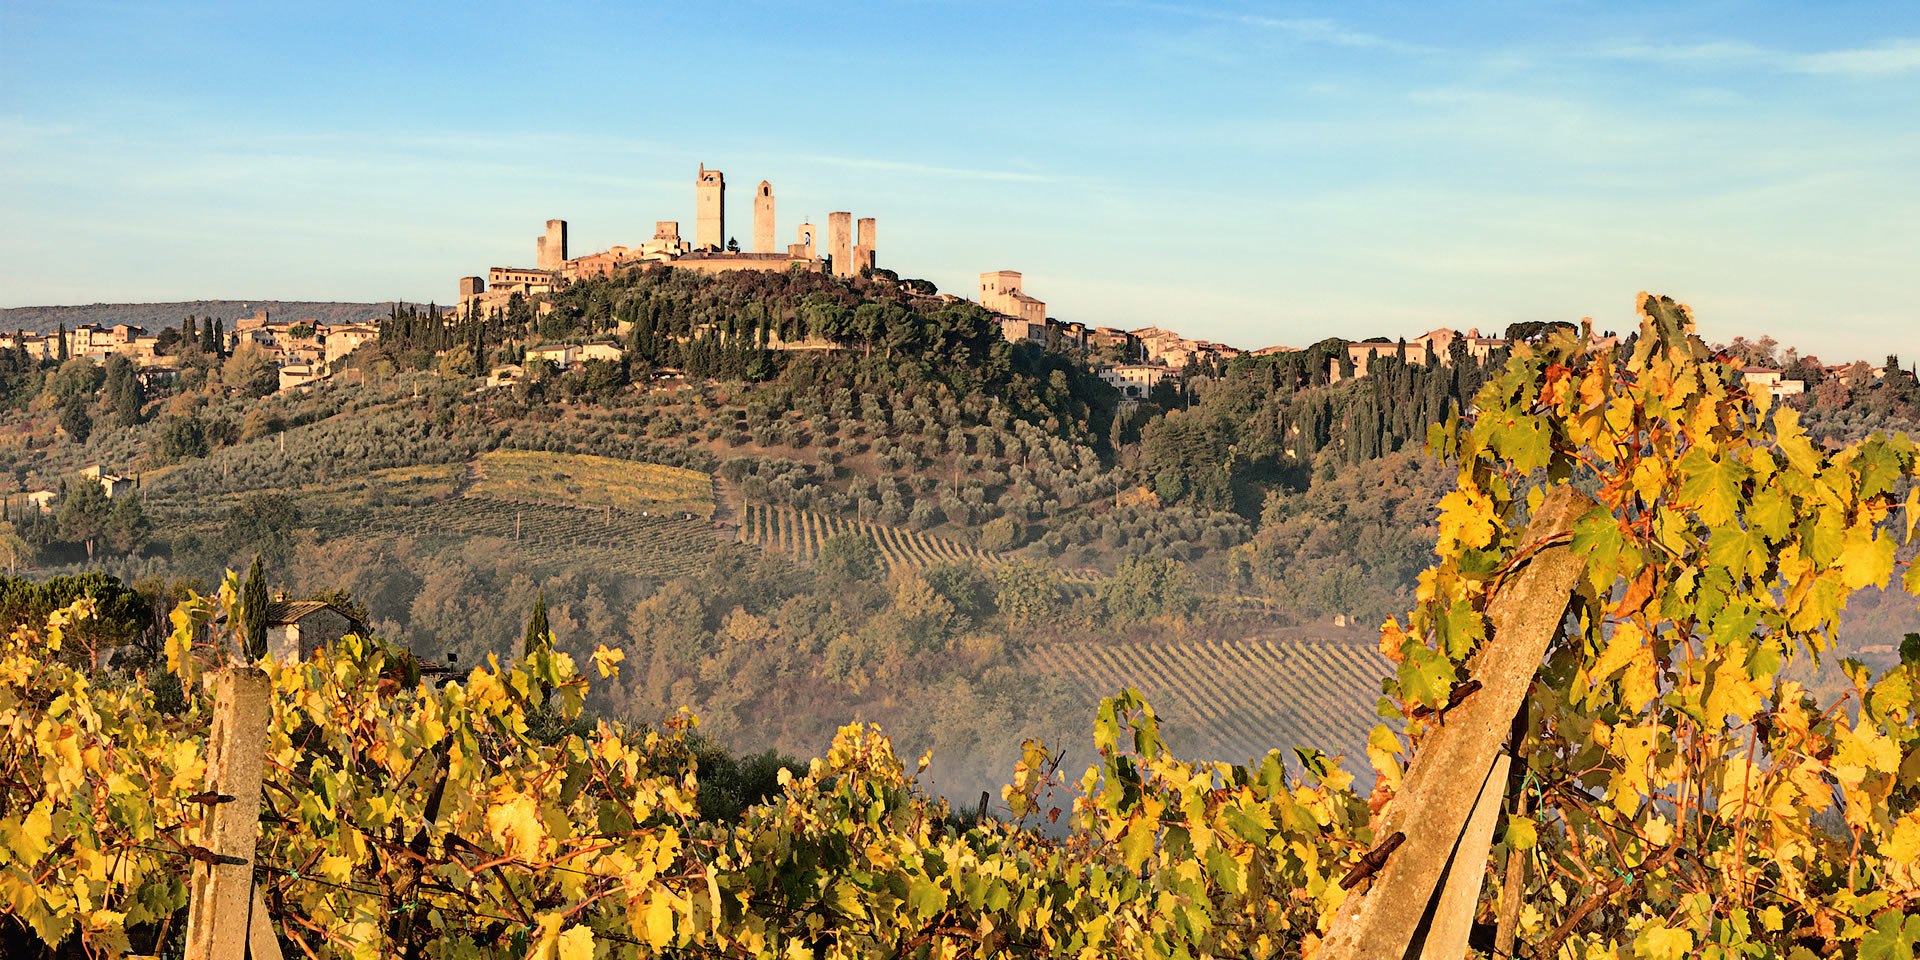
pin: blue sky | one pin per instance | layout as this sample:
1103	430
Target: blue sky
1256	174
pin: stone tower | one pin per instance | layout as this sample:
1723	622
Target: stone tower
552	248
839	244
863	242
710	220
763	219
805	247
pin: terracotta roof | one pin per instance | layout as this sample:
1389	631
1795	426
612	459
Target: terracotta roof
291	611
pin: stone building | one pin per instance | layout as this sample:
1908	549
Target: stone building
344	338
1136	381
298	628
296	375
1000	292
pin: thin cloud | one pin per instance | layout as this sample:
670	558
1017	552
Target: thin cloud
1898	56
1310	29
1890	58
930	170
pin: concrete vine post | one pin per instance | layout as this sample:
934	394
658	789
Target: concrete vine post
222	900
1430	815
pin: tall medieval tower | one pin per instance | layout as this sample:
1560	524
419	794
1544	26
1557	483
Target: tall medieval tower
763	219
863	243
839	244
551	250
710	221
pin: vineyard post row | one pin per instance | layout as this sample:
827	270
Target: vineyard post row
225	910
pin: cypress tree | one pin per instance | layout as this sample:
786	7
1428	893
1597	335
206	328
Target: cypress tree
253	610
538	637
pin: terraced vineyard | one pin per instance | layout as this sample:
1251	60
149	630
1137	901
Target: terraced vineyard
571	478
1234	700
657	547
799	533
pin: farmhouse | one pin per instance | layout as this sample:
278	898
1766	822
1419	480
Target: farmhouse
297	628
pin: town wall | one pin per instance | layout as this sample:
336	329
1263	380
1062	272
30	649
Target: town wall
729	262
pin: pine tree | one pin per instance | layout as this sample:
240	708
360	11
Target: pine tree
253	611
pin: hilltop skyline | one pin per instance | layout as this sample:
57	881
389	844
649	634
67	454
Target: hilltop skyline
1239	174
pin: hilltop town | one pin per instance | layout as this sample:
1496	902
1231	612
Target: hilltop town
308	351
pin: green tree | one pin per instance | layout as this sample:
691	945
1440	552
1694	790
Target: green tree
253	611
250	370
846	557
13	548
83	513
343	600
263	523
185	438
1030	592
539	638
127	525
75	419
1144	588
77	378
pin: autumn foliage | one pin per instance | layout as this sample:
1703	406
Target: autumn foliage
1686	798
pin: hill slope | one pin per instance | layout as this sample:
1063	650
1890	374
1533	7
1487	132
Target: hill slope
44	318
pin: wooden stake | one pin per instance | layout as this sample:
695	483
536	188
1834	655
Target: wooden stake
1452	913
1516	879
261	939
1431	809
221	893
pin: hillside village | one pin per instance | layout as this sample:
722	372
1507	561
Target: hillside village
1134	362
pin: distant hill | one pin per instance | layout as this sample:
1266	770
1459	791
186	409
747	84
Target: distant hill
41	319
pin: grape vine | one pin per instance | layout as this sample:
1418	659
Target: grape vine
1685	799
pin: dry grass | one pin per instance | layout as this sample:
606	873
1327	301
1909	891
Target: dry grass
579	480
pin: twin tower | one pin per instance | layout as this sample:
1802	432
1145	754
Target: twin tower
851	252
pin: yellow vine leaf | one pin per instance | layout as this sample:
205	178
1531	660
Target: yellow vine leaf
607	660
514	822
1865	560
1466	519
576	943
